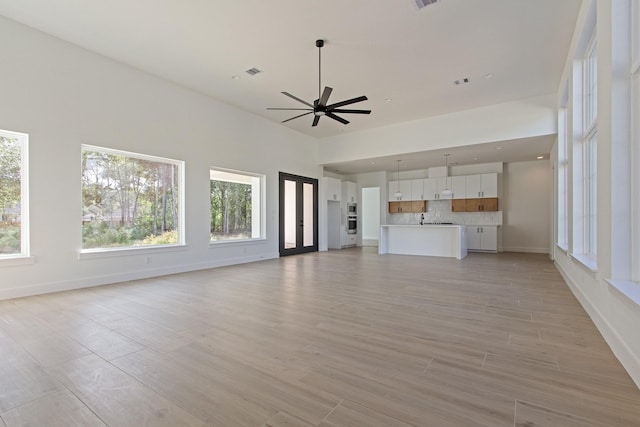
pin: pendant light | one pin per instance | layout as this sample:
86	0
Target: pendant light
398	193
447	191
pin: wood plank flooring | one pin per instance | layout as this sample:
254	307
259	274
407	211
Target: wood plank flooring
340	338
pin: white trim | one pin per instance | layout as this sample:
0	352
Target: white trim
586	261
12	261
128	251
525	249
629	289
25	241
87	282
237	242
629	360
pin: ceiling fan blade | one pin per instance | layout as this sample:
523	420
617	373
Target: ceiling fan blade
340	119
291	109
351	111
304	114
347	102
316	119
325	96
297	99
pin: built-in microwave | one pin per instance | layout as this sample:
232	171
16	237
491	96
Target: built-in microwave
352	209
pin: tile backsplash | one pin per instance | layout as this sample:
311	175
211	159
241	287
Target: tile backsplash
440	211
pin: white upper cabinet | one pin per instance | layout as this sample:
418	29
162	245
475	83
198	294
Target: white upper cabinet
417	189
483	185
458	186
430	188
332	188
349	191
403	186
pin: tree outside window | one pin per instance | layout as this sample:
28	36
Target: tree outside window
129	200
235	205
12	194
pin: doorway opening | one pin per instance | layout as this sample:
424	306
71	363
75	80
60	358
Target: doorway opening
370	216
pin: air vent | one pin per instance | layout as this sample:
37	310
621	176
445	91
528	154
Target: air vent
253	71
461	81
425	3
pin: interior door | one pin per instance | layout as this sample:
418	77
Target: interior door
298	214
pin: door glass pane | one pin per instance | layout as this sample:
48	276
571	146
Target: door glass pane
289	214
307	215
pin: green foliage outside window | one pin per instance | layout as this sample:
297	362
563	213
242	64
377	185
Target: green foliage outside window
230	210
10	192
128	201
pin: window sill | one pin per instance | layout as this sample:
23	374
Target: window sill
238	242
119	252
17	260
564	248
588	262
629	289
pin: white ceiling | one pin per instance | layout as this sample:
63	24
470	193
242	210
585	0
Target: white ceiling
384	49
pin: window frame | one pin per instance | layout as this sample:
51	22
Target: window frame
24	256
635	139
180	178
258	213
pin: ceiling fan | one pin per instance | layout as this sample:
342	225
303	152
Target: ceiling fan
319	107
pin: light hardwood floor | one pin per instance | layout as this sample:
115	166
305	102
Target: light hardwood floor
341	338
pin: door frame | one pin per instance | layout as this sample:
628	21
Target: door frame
299	249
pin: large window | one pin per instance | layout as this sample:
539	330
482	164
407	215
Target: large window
14	236
590	151
563	179
635	141
130	200
236	205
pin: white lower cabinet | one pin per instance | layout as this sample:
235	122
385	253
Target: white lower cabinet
347	240
482	238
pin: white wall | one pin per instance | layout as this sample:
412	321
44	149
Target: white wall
64	96
500	122
525	206
616	315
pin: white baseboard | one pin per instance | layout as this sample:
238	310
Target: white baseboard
87	282
629	360
527	249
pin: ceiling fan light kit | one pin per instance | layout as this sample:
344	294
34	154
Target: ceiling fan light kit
319	107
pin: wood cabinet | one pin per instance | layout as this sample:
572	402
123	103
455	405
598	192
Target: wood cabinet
409	206
481	205
458	205
482	238
482	185
332	188
418	206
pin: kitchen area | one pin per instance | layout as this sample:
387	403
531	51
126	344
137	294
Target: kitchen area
428	212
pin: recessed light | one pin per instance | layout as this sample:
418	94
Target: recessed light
540	157
235	77
388	99
488	75
498	148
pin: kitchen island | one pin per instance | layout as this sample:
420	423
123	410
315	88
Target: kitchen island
443	240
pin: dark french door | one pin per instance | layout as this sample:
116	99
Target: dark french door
298	214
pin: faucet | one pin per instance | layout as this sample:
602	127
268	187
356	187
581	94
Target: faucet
421	219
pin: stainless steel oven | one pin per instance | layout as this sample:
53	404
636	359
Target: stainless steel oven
352	209
352	224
